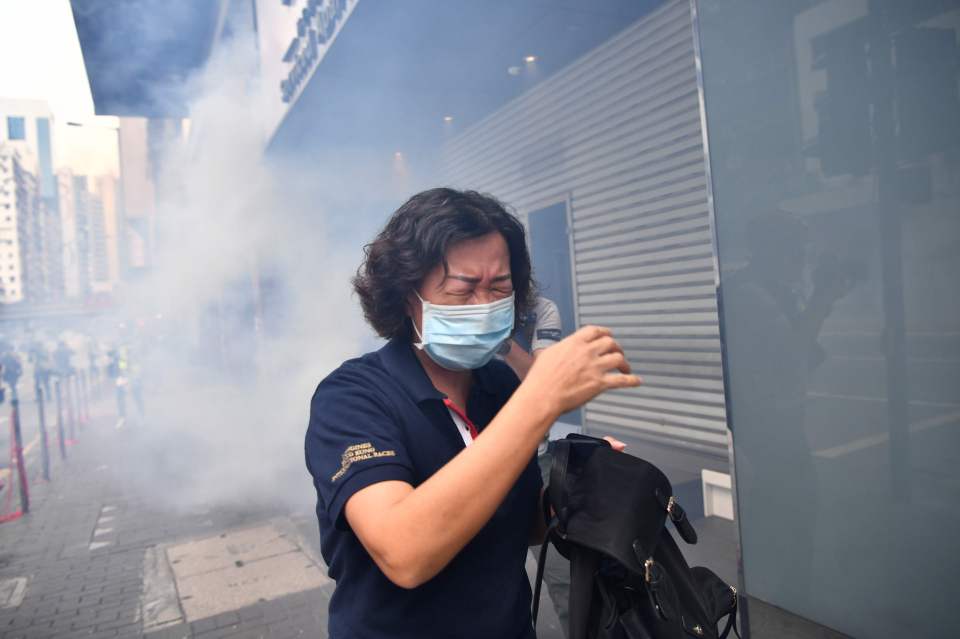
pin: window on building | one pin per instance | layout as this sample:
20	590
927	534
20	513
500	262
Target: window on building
16	129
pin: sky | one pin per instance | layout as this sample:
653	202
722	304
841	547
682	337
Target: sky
40	58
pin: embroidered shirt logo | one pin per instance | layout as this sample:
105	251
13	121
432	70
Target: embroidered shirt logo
357	453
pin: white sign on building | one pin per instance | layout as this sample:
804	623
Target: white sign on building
294	36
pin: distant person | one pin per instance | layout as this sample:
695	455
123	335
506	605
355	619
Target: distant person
423	453
12	369
116	371
135	379
92	356
540	328
63	359
42	366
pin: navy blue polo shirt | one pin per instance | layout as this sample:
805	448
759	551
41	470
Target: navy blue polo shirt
379	418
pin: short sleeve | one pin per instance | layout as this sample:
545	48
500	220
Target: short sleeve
549	328
353	441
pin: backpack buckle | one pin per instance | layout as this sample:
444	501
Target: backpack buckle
648	570
679	518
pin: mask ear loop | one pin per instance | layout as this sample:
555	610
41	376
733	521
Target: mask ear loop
420	345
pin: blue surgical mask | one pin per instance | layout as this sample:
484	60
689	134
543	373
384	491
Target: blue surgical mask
464	337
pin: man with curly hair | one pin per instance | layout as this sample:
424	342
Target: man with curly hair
423	453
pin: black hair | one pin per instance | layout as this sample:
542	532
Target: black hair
416	239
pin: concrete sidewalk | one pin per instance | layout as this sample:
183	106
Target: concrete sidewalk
97	557
94	558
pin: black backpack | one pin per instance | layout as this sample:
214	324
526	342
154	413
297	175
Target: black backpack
628	578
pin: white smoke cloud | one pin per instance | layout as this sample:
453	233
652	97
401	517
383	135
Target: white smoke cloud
215	436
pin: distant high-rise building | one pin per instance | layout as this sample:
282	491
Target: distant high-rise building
82	238
27	126
107	271
70	254
143	145
26	133
15	207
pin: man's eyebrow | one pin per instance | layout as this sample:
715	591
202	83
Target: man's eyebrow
476	280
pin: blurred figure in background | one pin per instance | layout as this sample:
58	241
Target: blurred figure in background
62	359
538	329
124	368
93	353
39	357
116	369
10	364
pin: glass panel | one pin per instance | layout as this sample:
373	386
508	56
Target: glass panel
16	129
550	255
834	134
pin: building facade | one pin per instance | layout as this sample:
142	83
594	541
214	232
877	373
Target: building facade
27	132
16	203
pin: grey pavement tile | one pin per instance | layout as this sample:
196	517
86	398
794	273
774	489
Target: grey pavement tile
261	632
290	630
252	613
180	631
221	633
29	633
118	624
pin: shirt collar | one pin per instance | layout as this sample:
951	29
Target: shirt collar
402	364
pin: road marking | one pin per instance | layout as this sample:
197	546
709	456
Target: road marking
12	591
102	528
877	440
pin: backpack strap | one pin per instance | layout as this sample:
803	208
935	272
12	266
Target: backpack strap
558	478
583	567
732	619
557	486
541	564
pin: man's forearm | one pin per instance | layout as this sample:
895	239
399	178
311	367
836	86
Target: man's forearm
518	359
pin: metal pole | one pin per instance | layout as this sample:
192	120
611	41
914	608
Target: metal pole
44	444
59	394
87	393
82	393
18	452
71	410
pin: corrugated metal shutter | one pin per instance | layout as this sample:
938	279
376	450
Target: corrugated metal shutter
618	132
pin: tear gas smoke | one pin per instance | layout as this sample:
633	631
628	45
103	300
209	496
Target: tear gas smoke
227	406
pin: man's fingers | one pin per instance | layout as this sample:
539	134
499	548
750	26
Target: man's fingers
615	444
615	361
604	345
591	333
619	380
